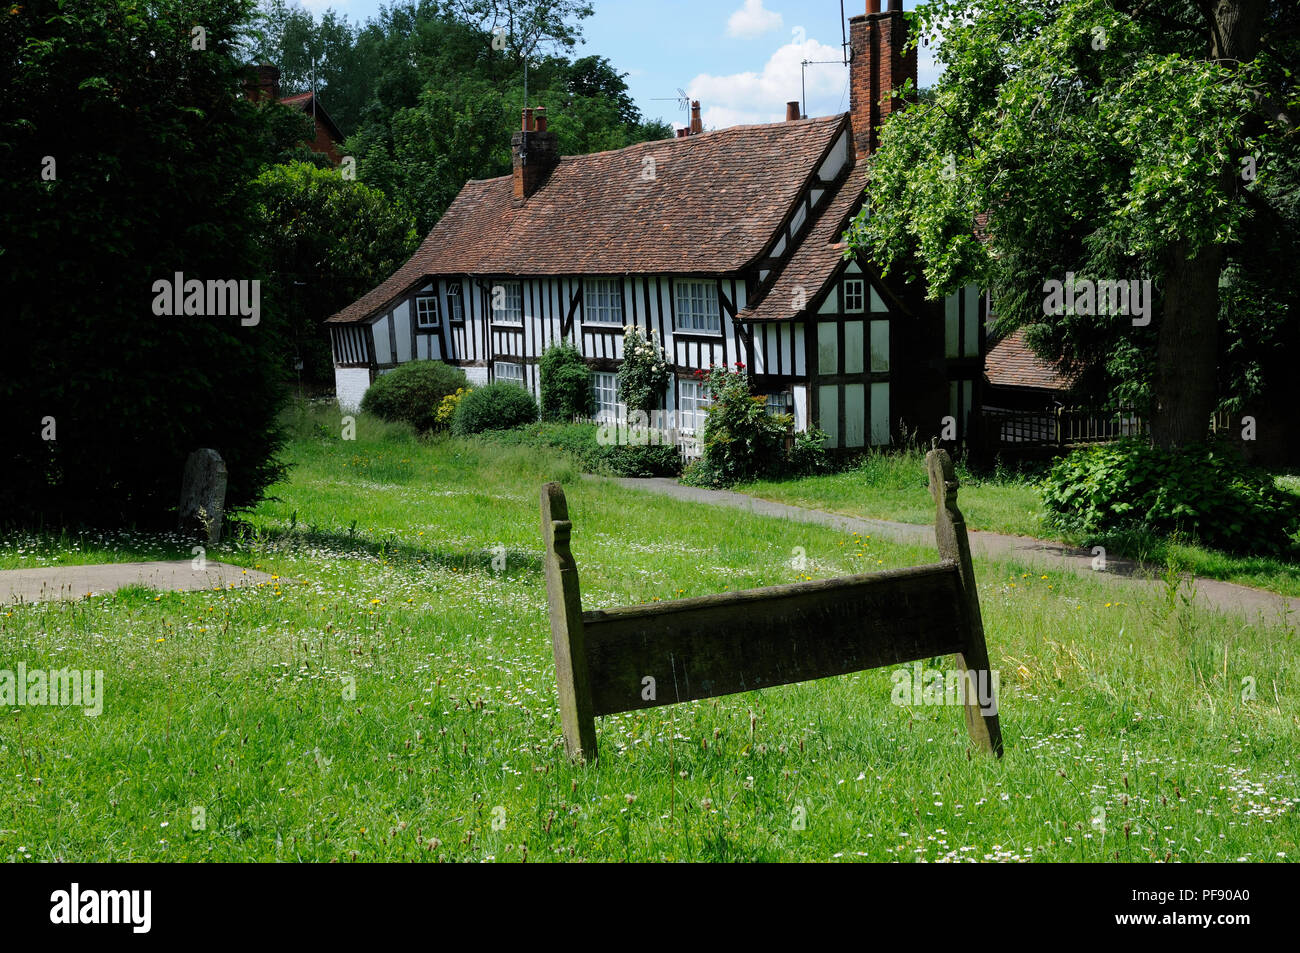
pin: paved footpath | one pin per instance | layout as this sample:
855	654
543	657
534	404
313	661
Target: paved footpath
1211	593
74	582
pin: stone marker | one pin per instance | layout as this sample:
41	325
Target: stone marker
203	494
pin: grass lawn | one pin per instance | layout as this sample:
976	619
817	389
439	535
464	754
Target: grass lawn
884	486
391	696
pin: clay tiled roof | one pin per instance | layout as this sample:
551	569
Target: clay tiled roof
815	258
1011	363
714	203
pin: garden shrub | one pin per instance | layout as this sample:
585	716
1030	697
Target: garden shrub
447	407
741	440
412	393
808	456
498	406
1205	491
566	383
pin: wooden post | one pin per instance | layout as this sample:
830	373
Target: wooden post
567	640
950	534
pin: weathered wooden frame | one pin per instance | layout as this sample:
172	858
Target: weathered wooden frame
758	638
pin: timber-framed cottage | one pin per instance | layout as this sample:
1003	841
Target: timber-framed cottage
728	244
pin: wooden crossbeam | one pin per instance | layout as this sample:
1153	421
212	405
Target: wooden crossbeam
635	657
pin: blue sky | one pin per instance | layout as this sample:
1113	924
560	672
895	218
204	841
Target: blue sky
740	58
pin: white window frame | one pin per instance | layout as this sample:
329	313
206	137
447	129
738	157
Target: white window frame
857	288
421	314
455	302
509	377
602	301
692	407
697	309
503	315
605	384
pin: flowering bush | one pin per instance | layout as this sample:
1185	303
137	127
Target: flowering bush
447	407
742	441
644	376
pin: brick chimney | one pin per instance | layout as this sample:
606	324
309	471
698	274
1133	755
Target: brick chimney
878	66
792	111
262	83
697	126
535	151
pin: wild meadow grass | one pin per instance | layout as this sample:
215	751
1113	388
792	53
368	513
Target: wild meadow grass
883	485
390	695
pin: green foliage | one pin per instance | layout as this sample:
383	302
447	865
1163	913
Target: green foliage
497	406
1204	491
447	407
154	151
330	241
428	101
1106	140
413	393
565	383
808	455
741	440
643	376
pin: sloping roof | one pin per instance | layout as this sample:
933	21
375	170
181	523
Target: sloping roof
815	258
303	102
1011	363
714	203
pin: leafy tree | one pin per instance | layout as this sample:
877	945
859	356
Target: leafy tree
429	100
1107	139
125	154
329	240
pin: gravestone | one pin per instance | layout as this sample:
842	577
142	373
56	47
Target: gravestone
203	494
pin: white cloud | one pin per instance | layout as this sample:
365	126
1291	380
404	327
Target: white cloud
752	97
752	20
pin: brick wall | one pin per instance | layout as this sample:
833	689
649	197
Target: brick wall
878	66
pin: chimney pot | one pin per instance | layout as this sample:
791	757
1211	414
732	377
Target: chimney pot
697	126
873	6
792	110
539	116
895	5
528	119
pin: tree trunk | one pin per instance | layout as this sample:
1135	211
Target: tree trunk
1187	350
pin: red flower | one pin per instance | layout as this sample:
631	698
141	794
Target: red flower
740	364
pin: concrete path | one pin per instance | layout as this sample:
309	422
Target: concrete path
74	582
1211	593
